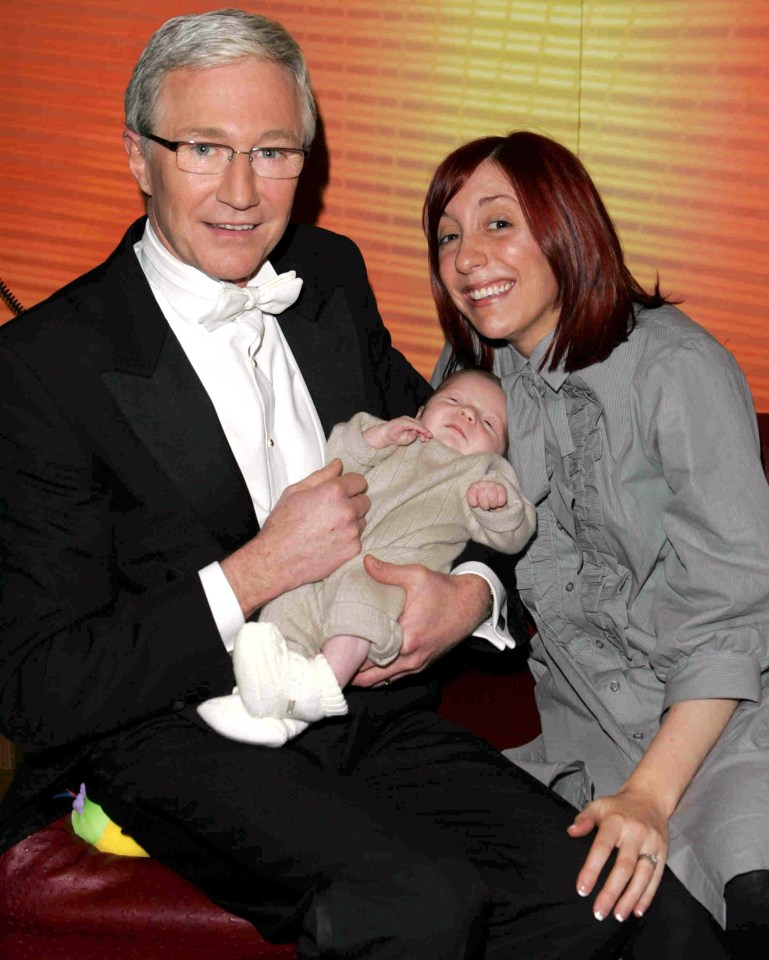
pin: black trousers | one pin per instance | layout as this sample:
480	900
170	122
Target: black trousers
390	833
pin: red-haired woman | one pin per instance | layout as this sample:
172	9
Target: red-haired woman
648	579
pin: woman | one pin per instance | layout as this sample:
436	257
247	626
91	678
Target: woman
633	432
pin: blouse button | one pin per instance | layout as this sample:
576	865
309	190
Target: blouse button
569	586
614	686
559	524
638	736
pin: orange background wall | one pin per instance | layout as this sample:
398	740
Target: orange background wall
666	102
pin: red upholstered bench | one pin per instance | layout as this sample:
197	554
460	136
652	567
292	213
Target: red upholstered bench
63	900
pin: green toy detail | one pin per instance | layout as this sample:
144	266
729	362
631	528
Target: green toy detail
91	823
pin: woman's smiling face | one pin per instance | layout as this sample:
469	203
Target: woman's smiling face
491	266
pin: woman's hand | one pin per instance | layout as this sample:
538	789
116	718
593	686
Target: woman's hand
635	820
637	827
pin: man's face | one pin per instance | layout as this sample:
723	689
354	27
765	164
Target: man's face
227	224
468	413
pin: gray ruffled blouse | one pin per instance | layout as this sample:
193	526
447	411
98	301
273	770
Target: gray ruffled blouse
648	578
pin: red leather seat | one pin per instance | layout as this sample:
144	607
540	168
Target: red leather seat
64	900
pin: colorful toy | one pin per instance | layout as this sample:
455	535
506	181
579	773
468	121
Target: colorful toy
91	823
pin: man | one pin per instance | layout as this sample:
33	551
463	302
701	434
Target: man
157	423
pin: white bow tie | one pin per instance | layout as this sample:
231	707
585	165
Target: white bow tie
272	297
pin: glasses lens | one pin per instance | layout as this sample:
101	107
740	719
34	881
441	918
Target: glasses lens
277	163
202	157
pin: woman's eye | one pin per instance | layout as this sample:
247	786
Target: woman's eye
445	238
499	224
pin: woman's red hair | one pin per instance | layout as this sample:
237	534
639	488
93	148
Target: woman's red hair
572	228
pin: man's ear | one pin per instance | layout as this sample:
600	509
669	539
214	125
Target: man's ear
137	160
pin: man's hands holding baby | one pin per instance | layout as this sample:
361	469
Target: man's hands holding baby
440	611
312	530
315	527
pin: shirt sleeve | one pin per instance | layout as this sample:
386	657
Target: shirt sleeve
225	608
712	599
495	628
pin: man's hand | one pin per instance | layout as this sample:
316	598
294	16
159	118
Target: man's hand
440	611
313	529
486	494
399	432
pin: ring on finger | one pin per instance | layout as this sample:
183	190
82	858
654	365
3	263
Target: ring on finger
651	857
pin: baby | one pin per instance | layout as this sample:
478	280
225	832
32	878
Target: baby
435	481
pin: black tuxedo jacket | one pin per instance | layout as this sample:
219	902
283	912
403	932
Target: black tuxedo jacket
118	485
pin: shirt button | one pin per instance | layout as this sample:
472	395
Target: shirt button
638	736
599	644
614	686
569	586
270	442
559	524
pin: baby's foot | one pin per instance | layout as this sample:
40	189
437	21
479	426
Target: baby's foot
228	717
277	682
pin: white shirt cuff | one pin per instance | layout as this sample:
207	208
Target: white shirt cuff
495	628
223	603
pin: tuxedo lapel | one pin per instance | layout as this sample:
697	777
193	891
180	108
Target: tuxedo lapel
320	330
161	397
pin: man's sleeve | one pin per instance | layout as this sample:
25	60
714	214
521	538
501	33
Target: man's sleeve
84	649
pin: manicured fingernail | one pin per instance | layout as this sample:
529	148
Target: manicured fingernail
583	891
618	917
638	913
598	915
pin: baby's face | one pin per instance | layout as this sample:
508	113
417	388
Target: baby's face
468	414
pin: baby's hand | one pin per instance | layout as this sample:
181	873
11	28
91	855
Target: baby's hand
399	432
486	494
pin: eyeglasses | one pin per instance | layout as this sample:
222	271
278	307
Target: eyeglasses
272	163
